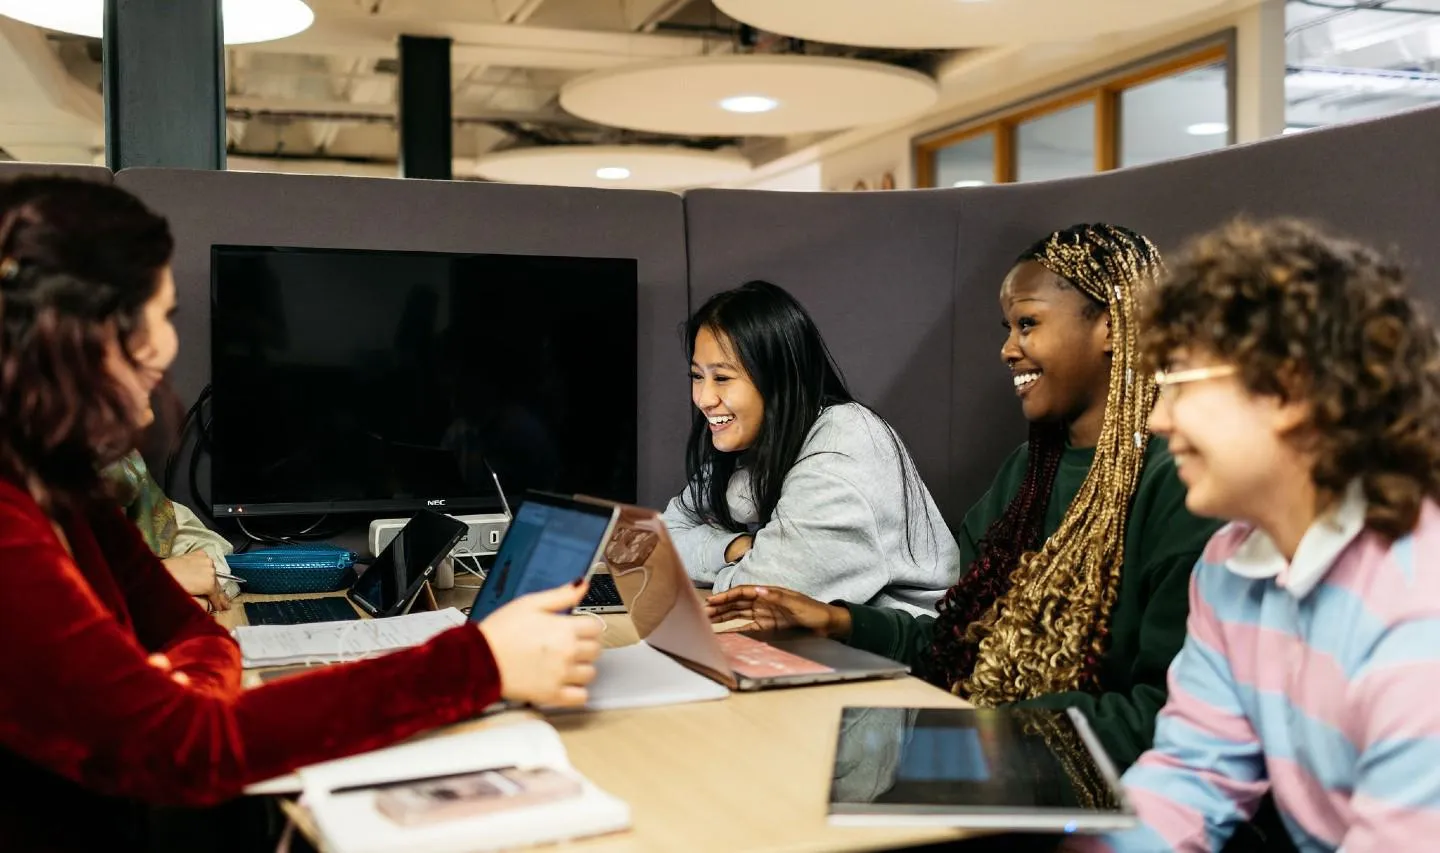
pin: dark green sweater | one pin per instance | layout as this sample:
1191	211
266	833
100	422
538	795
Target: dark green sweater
1147	626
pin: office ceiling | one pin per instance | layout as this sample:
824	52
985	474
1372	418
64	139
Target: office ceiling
956	23
325	100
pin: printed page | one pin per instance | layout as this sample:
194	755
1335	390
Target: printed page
328	642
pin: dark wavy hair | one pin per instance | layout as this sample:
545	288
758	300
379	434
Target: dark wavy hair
780	347
78	262
1308	315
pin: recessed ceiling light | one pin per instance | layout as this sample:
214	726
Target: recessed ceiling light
246	21
612	173
749	104
970	182
1207	128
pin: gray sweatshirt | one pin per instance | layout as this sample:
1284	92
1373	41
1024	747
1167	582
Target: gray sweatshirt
837	533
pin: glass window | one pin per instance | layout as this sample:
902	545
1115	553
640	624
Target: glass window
1359	64
1182	114
968	163
1057	145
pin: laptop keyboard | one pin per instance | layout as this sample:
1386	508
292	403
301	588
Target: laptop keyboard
750	657
602	593
299	611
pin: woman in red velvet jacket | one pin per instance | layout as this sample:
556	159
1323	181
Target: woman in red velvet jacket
116	691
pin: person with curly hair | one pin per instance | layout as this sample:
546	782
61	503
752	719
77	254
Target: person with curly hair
1080	554
1301	397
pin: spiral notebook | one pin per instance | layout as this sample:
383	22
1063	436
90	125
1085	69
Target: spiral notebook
1020	769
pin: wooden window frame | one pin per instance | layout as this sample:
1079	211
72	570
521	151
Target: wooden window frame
1104	91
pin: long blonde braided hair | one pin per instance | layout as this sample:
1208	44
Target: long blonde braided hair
1047	631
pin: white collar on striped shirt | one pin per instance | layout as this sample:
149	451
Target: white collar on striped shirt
1258	557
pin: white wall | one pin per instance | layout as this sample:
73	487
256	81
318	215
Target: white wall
870	162
804	178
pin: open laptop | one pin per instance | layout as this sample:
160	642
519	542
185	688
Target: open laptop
551	541
669	614
387	588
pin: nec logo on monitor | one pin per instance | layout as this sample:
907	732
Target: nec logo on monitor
437	502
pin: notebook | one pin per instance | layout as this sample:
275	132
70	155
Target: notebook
331	642
342	795
1021	769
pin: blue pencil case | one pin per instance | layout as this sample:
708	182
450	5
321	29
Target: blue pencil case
289	569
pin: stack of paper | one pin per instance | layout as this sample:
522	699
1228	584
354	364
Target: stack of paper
329	642
640	676
349	822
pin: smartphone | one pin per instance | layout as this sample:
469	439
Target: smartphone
471	794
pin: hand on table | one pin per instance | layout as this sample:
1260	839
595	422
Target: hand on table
195	572
774	608
545	656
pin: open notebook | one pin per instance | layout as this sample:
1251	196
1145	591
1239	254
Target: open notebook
329	642
349	821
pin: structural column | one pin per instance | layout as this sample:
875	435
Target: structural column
164	84
425	108
1259	72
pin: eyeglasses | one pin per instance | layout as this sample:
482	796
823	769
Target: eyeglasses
1168	382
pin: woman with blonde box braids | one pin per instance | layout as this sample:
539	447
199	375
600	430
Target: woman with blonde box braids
1080	553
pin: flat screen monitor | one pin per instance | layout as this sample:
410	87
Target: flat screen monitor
385	382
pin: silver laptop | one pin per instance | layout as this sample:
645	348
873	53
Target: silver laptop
669	614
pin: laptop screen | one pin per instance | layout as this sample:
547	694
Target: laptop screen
422	543
550	542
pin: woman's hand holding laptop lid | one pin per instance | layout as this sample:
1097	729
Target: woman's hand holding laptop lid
774	608
545	656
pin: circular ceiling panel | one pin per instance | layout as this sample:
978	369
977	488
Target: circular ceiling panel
245	21
628	166
954	23
749	95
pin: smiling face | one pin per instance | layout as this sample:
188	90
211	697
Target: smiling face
724	393
153	346
1057	349
1233	448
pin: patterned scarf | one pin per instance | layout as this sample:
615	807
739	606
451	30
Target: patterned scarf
144	502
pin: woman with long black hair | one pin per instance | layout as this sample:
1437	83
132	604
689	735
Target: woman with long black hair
790	480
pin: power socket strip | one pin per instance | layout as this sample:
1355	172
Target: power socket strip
482	536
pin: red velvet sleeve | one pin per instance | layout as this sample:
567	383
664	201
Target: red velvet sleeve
165	617
81	701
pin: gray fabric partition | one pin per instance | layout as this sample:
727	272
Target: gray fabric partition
1377	181
876	270
14	169
265	209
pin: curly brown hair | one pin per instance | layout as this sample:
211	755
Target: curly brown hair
78	262
1307	315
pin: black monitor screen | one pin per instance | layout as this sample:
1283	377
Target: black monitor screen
373	381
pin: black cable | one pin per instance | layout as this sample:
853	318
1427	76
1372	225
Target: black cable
311	533
182	436
202	444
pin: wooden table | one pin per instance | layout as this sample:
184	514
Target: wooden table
751	772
